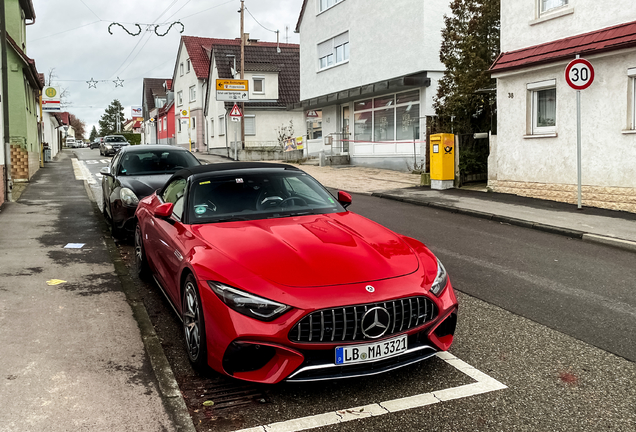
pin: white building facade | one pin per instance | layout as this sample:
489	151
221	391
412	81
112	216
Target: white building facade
189	83
535	152
368	75
272	73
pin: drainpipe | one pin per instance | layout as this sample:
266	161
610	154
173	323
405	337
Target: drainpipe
6	147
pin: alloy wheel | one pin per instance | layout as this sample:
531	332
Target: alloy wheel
192	321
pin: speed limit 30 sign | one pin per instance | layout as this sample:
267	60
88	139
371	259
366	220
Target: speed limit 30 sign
579	74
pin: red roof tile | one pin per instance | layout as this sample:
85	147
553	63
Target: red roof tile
607	39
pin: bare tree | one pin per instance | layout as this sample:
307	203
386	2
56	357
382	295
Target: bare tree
78	125
65	94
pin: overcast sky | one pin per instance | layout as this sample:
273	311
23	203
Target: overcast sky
71	37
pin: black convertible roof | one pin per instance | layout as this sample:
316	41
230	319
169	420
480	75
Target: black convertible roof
230	166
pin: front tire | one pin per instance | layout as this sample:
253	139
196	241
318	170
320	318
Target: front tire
194	325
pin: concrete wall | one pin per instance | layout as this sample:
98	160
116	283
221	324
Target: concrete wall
387	39
522	24
545	166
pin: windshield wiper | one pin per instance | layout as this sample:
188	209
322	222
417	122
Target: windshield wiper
290	214
230	219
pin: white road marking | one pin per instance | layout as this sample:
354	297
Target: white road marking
92	162
82	172
105	161
483	384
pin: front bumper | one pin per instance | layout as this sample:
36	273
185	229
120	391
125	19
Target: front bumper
263	352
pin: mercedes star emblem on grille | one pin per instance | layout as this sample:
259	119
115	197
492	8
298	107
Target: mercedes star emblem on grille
370	288
375	322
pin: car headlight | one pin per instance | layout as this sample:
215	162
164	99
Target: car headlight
128	197
248	304
108	146
440	280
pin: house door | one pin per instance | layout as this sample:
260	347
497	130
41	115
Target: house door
345	128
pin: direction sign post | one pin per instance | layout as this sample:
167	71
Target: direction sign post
579	74
232	90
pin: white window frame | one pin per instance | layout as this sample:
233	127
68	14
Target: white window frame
534	89
212	127
160	129
262	80
221	125
330	59
180	98
631	75
188	66
165	123
324	5
250	132
193	93
179	123
193	123
181	69
550	9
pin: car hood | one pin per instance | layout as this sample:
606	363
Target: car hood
310	251
144	185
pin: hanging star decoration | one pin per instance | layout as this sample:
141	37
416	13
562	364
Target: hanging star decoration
118	82
92	83
149	28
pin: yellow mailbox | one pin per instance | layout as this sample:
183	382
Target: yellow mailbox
442	161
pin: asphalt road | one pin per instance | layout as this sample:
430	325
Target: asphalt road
581	289
534	307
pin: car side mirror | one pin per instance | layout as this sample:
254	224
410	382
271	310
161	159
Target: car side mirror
164	211
344	198
106	171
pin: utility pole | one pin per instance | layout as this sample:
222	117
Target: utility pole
242	74
6	140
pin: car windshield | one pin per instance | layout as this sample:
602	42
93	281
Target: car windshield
261	195
154	162
115	139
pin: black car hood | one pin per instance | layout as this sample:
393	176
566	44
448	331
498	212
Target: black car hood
144	185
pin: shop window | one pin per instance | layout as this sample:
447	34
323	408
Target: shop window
314	124
393	117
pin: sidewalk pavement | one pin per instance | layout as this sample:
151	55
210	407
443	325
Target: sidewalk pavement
613	228
76	353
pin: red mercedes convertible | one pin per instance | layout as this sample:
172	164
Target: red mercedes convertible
275	280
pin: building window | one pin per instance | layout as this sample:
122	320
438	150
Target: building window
212	127
314	124
179	98
543	101
160	127
250	124
393	117
333	51
193	93
221	125
165	123
548	5
193	122
179	125
326	4
259	85
188	66
631	74
181	69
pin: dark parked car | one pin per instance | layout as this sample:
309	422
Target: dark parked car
111	144
136	172
96	142
276	280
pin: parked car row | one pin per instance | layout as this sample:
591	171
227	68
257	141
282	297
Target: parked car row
273	278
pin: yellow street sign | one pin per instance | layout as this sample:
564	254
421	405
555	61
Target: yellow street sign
232	85
184	113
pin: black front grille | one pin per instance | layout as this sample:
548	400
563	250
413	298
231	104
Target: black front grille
343	324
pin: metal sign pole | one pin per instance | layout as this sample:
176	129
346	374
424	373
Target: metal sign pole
578	145
235	142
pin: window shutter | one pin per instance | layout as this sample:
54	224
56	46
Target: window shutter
341	39
325	48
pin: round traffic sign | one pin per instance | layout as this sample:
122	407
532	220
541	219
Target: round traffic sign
579	74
